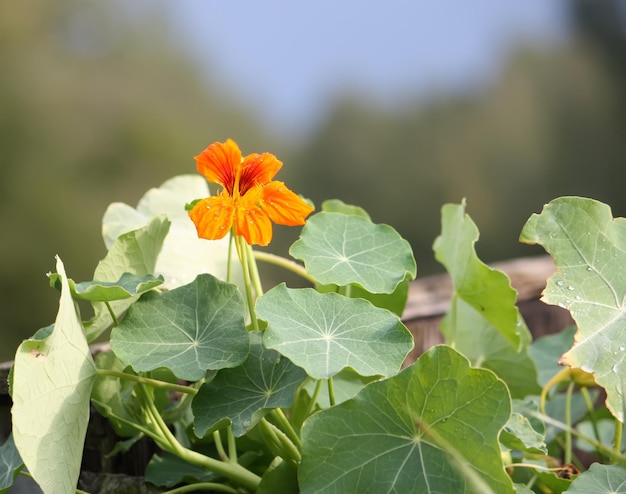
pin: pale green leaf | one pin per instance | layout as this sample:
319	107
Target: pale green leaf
10	464
396	435
325	332
338	206
189	330
600	479
246	393
344	249
133	252
589	249
487	290
184	255
52	381
483	321
168	470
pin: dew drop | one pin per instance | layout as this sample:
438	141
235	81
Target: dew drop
578	297
570	287
560	283
622	348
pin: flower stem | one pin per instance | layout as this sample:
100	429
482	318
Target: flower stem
331	391
115	321
242	251
279	442
617	438
203	486
146	380
288	264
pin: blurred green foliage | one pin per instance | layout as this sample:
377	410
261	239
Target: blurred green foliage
97	107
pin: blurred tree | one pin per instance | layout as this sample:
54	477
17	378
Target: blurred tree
97	104
551	124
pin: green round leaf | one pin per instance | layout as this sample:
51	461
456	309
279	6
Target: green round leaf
432	428
244	394
600	479
589	250
105	291
190	329
344	249
325	332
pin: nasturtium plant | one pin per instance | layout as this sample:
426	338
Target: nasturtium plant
245	388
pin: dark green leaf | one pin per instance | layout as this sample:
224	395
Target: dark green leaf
10	464
193	328
246	393
396	435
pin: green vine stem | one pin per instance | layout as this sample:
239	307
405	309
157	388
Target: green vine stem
279	415
588	403
203	486
279	442
313	402
112	314
287	264
617	438
331	391
568	422
155	383
232	471
615	457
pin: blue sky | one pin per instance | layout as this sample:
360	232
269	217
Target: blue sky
287	60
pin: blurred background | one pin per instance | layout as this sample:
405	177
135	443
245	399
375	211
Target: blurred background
398	108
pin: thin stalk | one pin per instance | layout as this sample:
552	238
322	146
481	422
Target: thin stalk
232	471
616	458
331	392
232	445
617	438
150	382
217	440
279	415
316	393
243	257
568	422
282	443
115	321
287	264
590	409
203	486
254	271
229	262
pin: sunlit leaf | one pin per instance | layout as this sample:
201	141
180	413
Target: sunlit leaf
483	321
184	255
134	252
52	381
324	332
10	463
344	249
244	394
600	479
338	206
589	250
396	434
190	329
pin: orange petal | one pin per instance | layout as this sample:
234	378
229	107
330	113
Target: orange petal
284	206
220	163
251	221
258	169
213	216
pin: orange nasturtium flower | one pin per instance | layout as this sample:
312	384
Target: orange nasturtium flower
249	201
